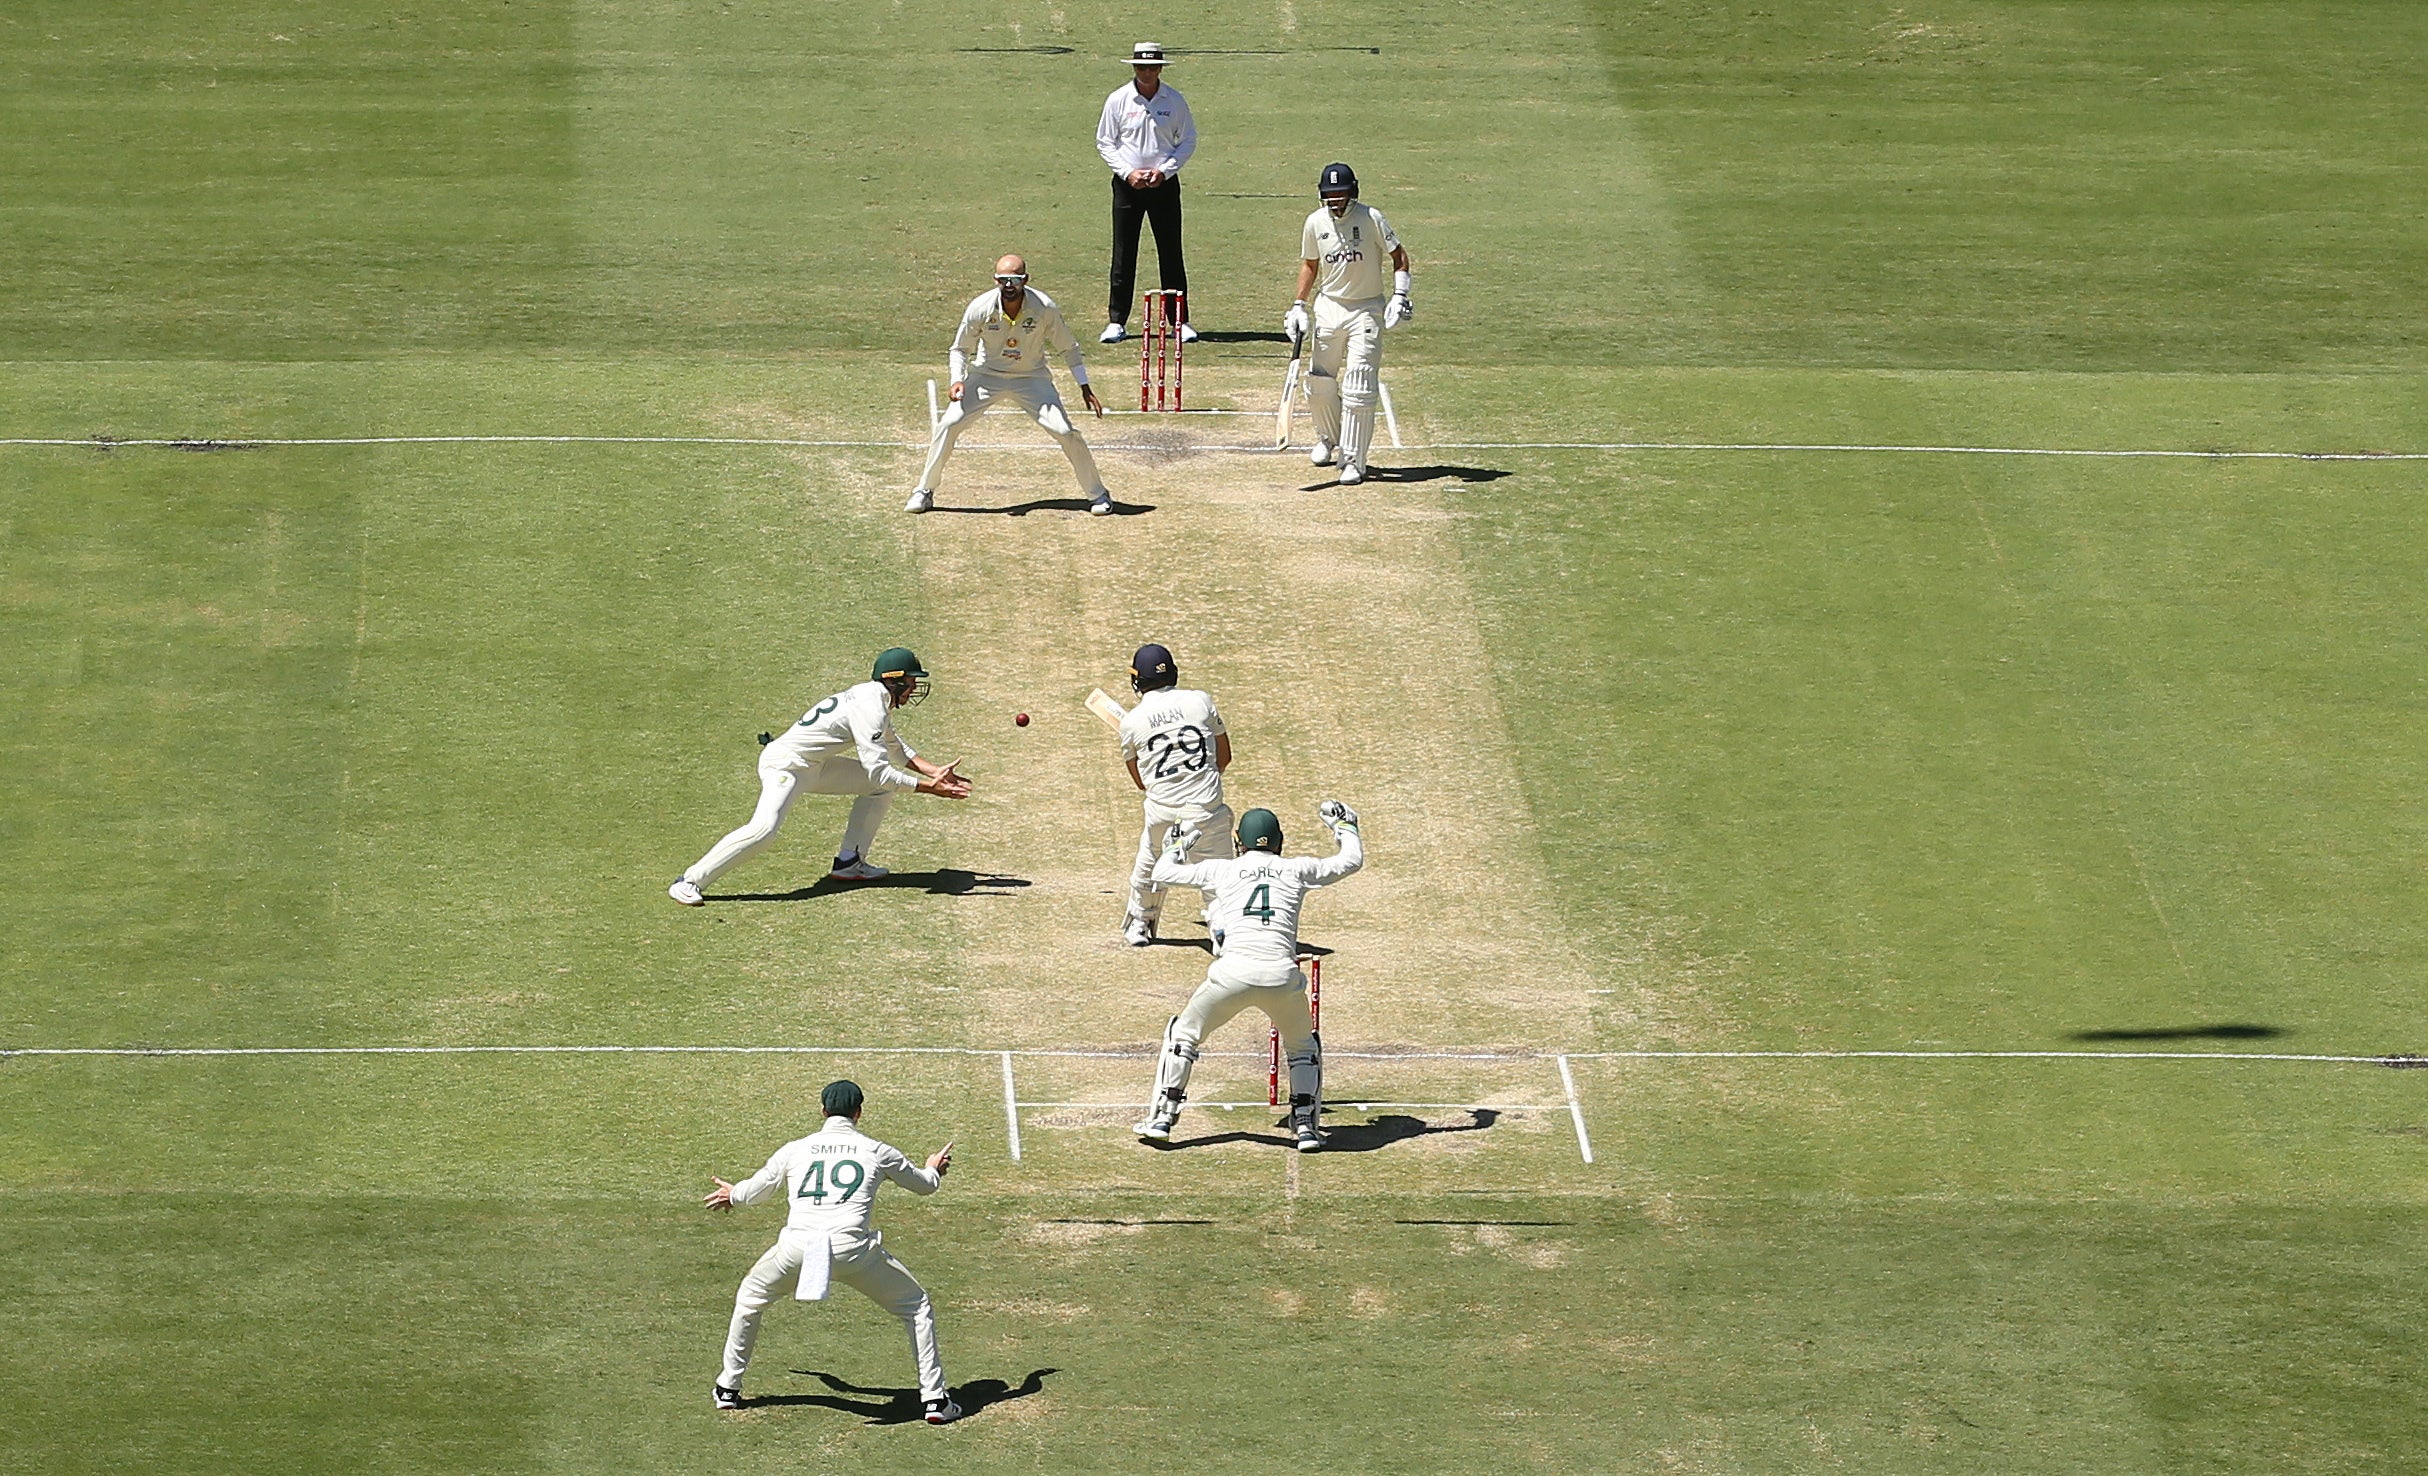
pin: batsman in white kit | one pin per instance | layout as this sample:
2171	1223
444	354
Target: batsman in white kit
844	745
829	1179
1177	749
999	353
1341	252
1257	895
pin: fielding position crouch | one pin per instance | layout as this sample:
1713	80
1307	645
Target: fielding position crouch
844	745
1341	250
1177	750
1255	922
1008	331
829	1180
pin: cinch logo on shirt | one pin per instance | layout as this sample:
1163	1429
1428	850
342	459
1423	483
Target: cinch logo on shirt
1346	253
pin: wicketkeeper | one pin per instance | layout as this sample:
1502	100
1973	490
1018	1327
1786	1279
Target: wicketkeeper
1341	250
1255	924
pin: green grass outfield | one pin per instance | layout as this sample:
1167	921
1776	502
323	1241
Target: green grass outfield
398	744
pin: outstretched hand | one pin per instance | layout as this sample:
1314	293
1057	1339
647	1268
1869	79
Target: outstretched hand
941	1159
1087	392
721	1197
1181	841
946	782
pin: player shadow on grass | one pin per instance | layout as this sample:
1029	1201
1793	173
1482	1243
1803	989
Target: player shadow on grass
949	881
1053	504
1351	1137
1470	475
2184	1032
880	1406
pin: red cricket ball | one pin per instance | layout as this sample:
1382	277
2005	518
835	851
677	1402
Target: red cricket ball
1020	719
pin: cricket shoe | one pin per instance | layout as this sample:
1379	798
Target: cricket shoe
1187	334
1320	454
684	892
1101	505
1113	333
1310	1137
725	1398
1351	475
920	501
856	868
940	1411
1157	1127
1138	932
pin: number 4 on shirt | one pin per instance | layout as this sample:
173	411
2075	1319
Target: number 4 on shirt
1260	903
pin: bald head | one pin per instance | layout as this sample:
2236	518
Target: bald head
1011	266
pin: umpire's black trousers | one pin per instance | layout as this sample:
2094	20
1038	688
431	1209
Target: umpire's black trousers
1161	207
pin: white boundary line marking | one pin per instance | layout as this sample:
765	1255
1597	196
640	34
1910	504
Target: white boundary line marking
205	443
1390	416
1011	1106
1145	1052
1576	1111
1346	1103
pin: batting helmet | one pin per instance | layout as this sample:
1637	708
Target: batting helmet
1153	669
1337	179
1260	830
898	667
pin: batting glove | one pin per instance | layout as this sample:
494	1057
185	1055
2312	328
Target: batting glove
1295	323
1398	310
1336	815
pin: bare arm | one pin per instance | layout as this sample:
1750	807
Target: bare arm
1306	278
1135	777
1399	258
1222	756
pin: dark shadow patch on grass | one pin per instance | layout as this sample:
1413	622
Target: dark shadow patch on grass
949	881
891	1406
2185	1032
1397	1127
1470	475
1051	504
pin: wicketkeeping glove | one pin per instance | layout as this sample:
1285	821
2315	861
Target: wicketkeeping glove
1398	310
1295	322
1181	840
1336	815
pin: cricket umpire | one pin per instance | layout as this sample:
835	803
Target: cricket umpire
1145	135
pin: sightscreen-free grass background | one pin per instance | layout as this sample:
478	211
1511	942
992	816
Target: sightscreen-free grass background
399	744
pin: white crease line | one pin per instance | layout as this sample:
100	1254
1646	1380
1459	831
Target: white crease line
933	414
1360	1104
1145	1052
238	443
1390	416
1011	1106
1576	1112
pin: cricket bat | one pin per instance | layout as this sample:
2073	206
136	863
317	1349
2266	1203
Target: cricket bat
1289	390
1105	707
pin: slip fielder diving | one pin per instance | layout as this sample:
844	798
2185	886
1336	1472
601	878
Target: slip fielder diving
1177	749
829	1181
844	745
1257	896
999	353
1341	251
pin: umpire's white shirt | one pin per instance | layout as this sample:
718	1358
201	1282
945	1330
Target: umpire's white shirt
859	721
994	343
1136	132
830	1178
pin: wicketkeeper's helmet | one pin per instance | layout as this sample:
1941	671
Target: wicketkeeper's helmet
1337	179
1260	830
898	667
1153	669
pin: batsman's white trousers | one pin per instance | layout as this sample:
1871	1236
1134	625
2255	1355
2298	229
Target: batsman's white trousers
1232	985
780	778
1344	374
860	1262
1215	840
1033	393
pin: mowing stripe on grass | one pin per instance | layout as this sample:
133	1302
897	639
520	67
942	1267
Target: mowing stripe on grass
197	443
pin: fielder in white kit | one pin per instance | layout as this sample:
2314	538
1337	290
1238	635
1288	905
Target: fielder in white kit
999	353
830	1179
1341	250
1255	921
844	745
1175	745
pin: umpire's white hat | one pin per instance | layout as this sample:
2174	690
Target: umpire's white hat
1148	54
